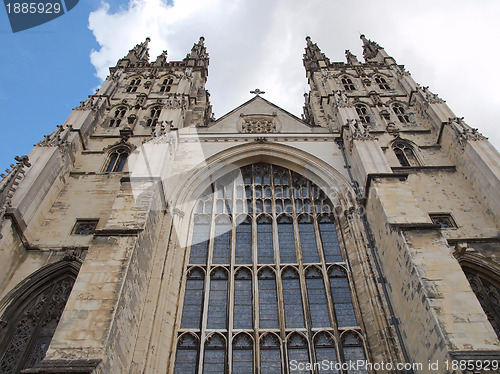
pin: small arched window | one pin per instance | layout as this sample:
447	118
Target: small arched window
405	154
363	113
117	159
400	112
347	83
166	85
133	85
154	114
382	83
118	116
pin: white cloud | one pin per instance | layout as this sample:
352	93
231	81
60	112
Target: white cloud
260	43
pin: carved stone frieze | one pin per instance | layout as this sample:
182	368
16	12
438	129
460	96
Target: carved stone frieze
259	124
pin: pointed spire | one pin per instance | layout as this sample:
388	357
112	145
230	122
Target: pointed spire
140	53
199	51
370	48
198	56
313	56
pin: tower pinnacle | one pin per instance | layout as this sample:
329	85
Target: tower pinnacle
314	58
370	48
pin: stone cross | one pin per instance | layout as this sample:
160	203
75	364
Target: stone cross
257	92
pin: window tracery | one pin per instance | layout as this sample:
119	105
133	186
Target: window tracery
363	113
154	114
405	154
382	83
117	159
347	83
133	85
400	112
25	340
118	116
166	85
273	273
488	295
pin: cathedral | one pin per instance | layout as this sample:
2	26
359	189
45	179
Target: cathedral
145	235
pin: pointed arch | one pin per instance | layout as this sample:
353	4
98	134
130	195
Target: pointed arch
405	152
294	295
31	313
116	156
483	277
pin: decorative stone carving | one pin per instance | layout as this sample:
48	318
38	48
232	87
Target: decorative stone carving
73	253
175	102
342	100
258	125
430	97
10	183
358	130
59	138
464	132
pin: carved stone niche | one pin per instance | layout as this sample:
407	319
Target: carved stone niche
258	123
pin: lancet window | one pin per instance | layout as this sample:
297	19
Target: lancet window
363	113
117	159
266	281
347	83
382	83
400	112
405	154
118	116
166	85
133	85
154	114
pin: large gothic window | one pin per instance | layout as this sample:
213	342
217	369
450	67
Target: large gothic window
31	320
266	282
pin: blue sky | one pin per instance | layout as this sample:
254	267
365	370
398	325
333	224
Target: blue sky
48	70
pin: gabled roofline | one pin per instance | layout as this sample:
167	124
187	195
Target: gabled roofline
253	99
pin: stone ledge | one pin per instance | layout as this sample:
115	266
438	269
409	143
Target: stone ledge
83	366
416	226
117	232
476	355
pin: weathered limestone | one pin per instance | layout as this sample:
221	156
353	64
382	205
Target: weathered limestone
112	192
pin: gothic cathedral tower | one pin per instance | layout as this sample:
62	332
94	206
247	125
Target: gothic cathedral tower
144	235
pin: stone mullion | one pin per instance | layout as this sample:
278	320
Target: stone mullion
255	279
230	305
300	260
207	284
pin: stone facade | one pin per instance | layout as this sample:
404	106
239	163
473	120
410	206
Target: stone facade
99	218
